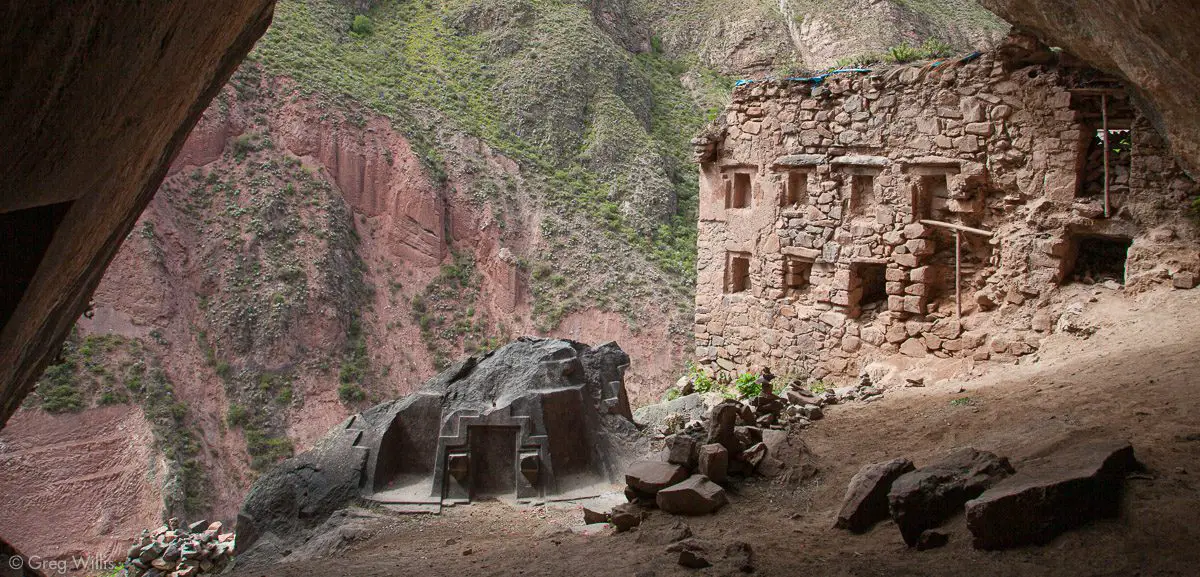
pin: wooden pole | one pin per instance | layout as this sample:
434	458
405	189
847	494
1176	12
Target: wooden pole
1104	136
958	275
958	227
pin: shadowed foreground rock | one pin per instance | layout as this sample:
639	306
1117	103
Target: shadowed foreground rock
866	501
96	98
1051	495
922	499
535	418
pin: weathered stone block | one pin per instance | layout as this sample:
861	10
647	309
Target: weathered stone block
922	499
866	502
1051	495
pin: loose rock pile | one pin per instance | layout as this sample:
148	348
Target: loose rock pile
1004	507
175	551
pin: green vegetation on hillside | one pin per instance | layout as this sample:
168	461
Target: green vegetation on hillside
601	134
99	370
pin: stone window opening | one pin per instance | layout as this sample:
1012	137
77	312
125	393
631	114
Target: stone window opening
797	274
738	191
1120	161
933	190
795	189
869	281
737	272
862	193
1095	258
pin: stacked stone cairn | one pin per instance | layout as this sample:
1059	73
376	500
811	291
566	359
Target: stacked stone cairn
173	550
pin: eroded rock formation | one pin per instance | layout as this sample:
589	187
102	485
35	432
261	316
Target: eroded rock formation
96	100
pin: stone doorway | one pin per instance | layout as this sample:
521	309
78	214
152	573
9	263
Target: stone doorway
493	454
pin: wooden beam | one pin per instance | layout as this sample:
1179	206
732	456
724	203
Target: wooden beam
958	274
1104	130
957	227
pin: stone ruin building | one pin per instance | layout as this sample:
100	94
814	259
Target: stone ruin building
537	419
932	210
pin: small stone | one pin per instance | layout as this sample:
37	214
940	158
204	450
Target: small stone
625	517
1183	280
693	560
932	539
695	496
652	476
590	516
713	462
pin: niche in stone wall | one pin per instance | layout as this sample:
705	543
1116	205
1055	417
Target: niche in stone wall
797	274
737	272
795	189
868	285
862	193
739	187
929	187
1095	258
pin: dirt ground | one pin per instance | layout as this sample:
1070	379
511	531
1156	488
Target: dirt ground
1135	378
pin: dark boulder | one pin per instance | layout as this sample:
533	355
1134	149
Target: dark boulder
932	539
1052	494
713	462
866	501
561	403
650	477
924	498
695	496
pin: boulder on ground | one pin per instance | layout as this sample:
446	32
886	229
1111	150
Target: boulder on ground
695	496
1051	495
922	499
866	501
625	517
932	539
590	516
713	462
693	559
682	451
652	476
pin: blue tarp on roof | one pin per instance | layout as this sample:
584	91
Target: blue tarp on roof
814	79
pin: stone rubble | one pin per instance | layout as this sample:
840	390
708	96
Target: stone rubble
176	551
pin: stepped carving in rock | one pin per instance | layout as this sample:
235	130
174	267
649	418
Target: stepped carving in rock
533	419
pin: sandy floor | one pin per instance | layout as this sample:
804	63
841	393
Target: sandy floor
1136	378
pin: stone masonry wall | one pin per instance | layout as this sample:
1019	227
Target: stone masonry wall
840	173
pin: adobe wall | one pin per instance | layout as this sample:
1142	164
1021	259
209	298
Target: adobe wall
981	143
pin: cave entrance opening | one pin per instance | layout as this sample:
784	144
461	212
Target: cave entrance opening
1096	258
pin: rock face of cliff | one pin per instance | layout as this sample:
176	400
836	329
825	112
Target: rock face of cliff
80	155
1151	44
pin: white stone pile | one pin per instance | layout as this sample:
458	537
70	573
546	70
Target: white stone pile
176	551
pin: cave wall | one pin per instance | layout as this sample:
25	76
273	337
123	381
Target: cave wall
1151	43
96	99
